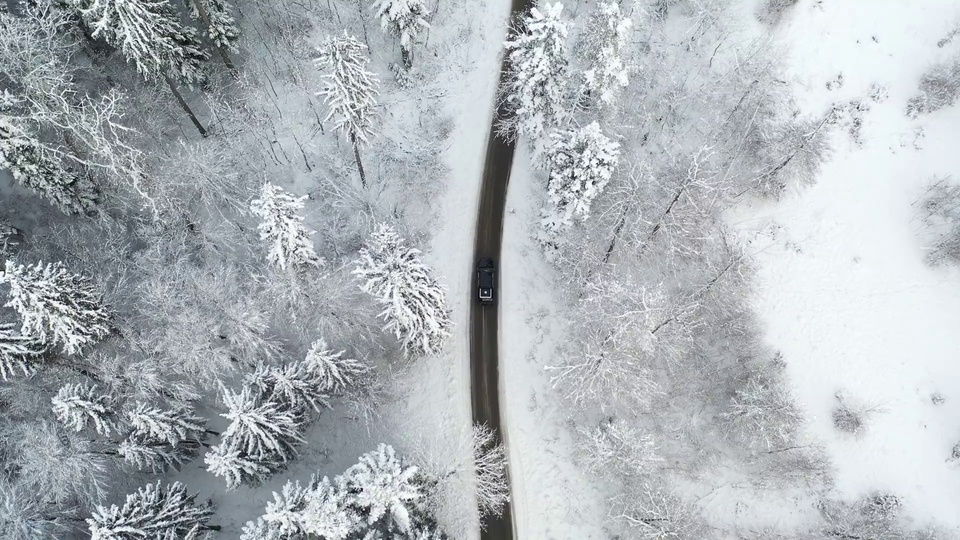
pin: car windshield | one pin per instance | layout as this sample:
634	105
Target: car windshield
486	278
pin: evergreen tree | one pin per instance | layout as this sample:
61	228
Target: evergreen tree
154	455
221	27
226	460
18	353
414	303
581	164
381	485
603	45
282	226
56	306
24	517
294	386
172	426
327	512
153	512
404	19
149	34
336	372
35	168
77	405
537	64
349	90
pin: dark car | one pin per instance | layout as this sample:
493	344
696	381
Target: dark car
486	280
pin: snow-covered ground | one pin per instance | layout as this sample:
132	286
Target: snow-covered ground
844	293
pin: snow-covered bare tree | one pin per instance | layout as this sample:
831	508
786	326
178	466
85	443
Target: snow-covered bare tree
415	305
349	90
617	450
654	513
537	60
39	170
80	404
153	512
149	34
18	353
405	19
262	436
172	426
56	306
602	45
336	372
25	517
282	227
221	27
581	163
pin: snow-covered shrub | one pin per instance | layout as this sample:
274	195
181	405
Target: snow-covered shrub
939	88
414	303
850	417
153	512
55	306
653	513
282	227
772	11
537	63
938	209
876	515
581	163
761	411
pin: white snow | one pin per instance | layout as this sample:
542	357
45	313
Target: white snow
842	288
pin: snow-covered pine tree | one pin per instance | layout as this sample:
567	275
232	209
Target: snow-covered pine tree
581	163
149	34
282	227
261	438
153	512
405	19
18	353
221	27
172	426
293	385
415	305
349	90
31	164
537	64
602	46
56	306
337	373
225	460
382	487
24	517
327	512
154	455
77	405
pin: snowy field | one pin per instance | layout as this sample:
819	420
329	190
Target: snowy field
844	292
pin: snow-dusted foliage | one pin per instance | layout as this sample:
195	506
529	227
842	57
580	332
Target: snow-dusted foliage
221	27
537	59
24	517
261	437
153	512
405	19
581	163
80	404
655	513
149	34
33	165
615	449
349	89
56	306
414	303
336	372
379	497
761	411
295	386
282	227
172	426
603	45
147	454
18	353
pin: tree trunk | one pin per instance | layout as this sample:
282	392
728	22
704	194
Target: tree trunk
356	155
407	57
184	106
205	17
210	528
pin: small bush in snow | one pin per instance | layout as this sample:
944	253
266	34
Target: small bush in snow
874	516
850	417
939	213
761	411
653	513
939	88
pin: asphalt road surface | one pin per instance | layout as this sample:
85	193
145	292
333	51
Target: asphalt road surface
484	318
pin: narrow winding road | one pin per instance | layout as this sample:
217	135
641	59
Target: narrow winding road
484	364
